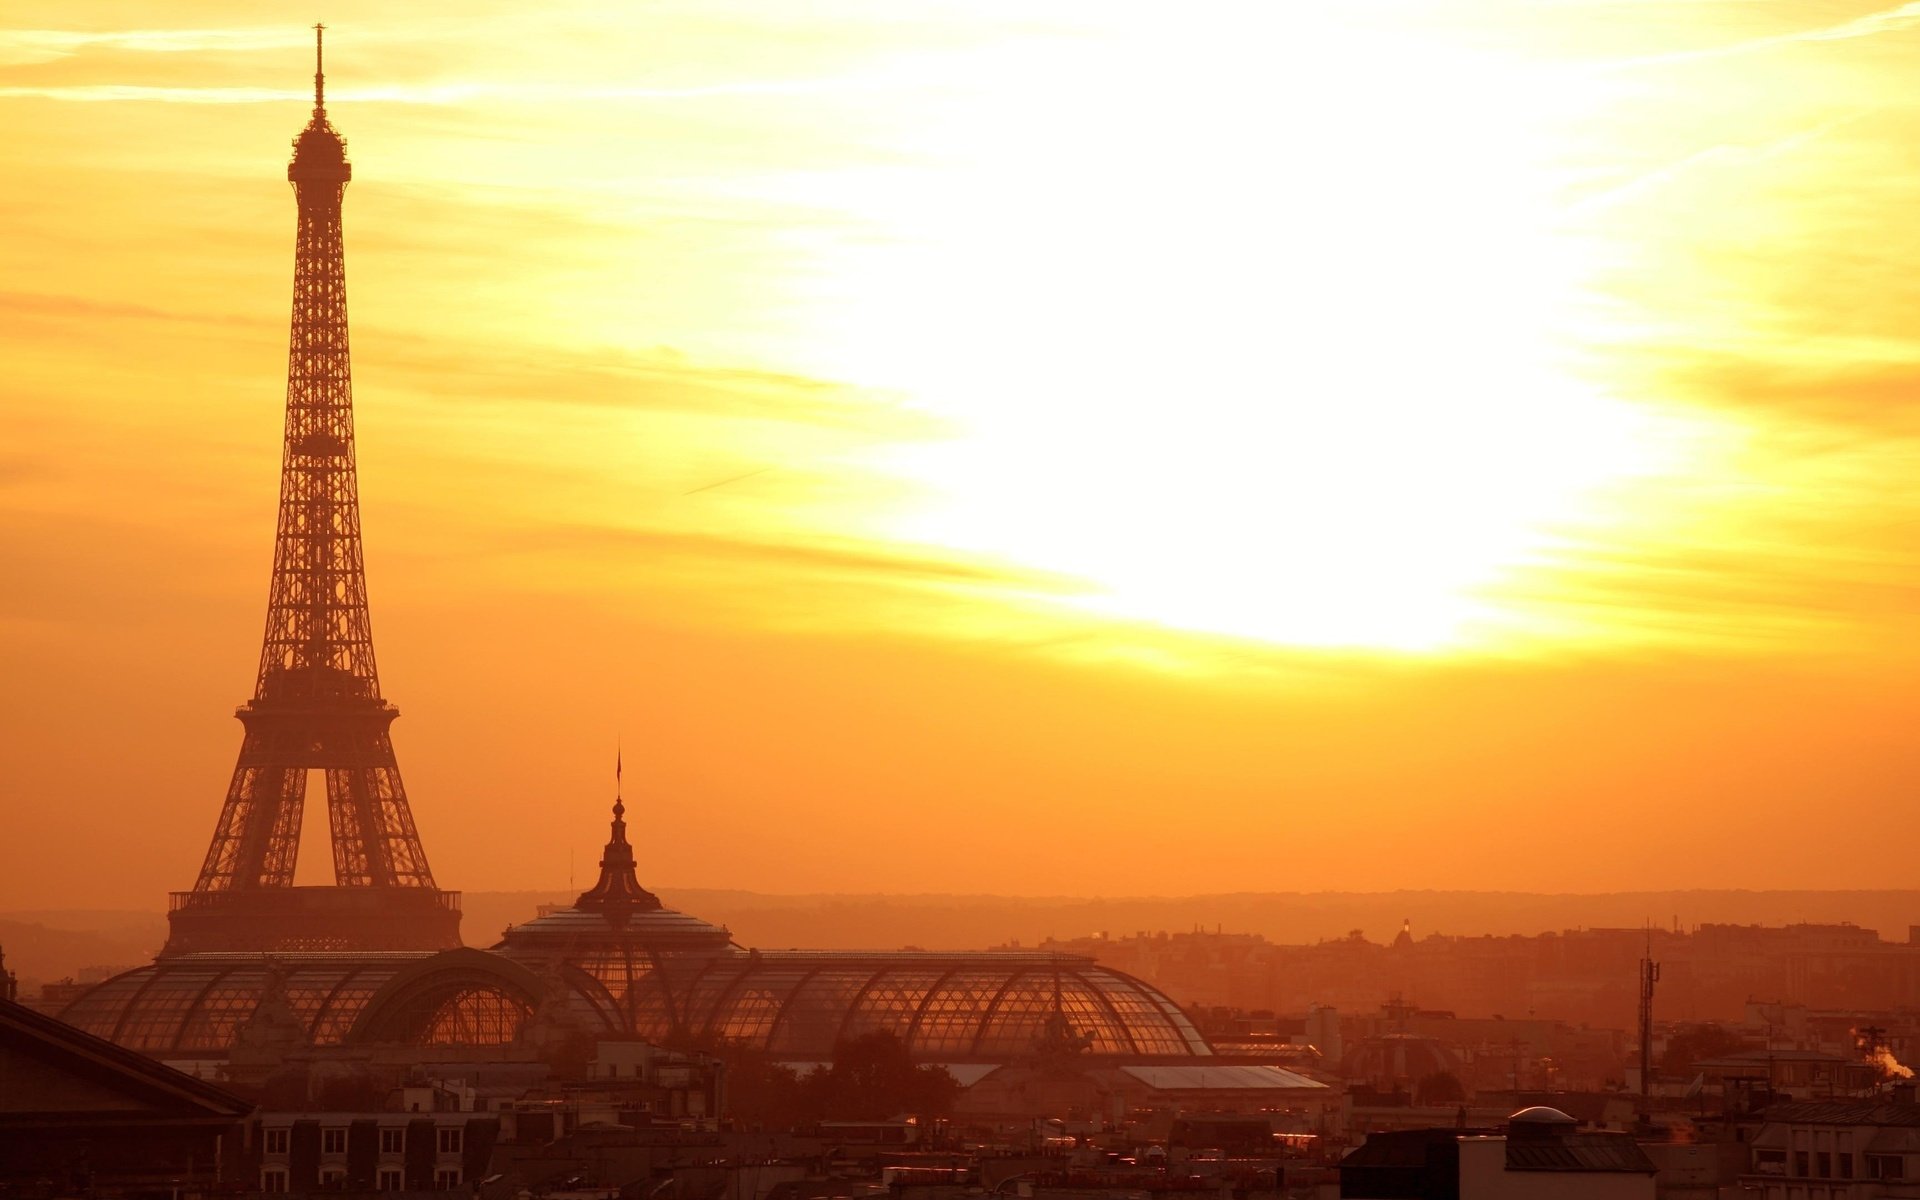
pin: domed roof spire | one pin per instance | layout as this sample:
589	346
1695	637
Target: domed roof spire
617	892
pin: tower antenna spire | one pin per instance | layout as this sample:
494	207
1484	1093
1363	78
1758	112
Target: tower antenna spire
319	71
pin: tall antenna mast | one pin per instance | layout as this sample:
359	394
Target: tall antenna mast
319	71
1649	975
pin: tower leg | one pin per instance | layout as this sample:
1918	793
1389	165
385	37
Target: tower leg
257	840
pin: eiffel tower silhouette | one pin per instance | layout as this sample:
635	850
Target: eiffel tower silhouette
316	704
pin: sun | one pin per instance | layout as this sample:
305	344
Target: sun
1391	520
1284	348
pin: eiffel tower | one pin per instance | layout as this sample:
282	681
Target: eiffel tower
316	704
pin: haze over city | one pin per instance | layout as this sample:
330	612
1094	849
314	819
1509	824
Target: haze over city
1038	449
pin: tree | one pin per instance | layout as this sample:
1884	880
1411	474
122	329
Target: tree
1441	1087
1695	1043
761	1093
872	1078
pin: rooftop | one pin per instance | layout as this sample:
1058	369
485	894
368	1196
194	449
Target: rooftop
1221	1078
1578	1152
1844	1112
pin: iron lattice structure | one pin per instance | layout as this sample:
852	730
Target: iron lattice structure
316	703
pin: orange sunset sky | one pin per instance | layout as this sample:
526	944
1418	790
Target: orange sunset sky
1021	447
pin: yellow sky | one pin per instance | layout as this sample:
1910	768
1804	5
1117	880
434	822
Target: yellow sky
1032	447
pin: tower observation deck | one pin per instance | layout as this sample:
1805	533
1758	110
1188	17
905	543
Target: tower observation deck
316	702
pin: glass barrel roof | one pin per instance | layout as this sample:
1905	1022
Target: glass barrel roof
796	1005
196	1004
944	1007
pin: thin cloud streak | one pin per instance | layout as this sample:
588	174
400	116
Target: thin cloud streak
1892	20
1724	154
82	310
842	557
439	94
21	47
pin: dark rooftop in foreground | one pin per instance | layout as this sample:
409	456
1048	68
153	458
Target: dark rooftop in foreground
1578	1152
1845	1112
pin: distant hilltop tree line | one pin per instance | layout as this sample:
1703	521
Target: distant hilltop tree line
1581	976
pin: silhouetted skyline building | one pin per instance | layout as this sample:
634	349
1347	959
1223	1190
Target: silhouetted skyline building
316	703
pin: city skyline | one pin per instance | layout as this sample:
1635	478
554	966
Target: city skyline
794	403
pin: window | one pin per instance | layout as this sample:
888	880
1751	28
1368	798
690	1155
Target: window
1823	1165
393	1140
1886	1166
389	1179
273	1179
333	1177
276	1141
1802	1165
450	1142
1845	1163
333	1141
446	1177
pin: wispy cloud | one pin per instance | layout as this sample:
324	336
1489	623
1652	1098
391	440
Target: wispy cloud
1723	155
117	93
1853	394
1892	20
1820	581
19	47
517	374
611	378
29	305
445	94
836	557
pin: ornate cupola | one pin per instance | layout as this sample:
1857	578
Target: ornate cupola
616	913
617	893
